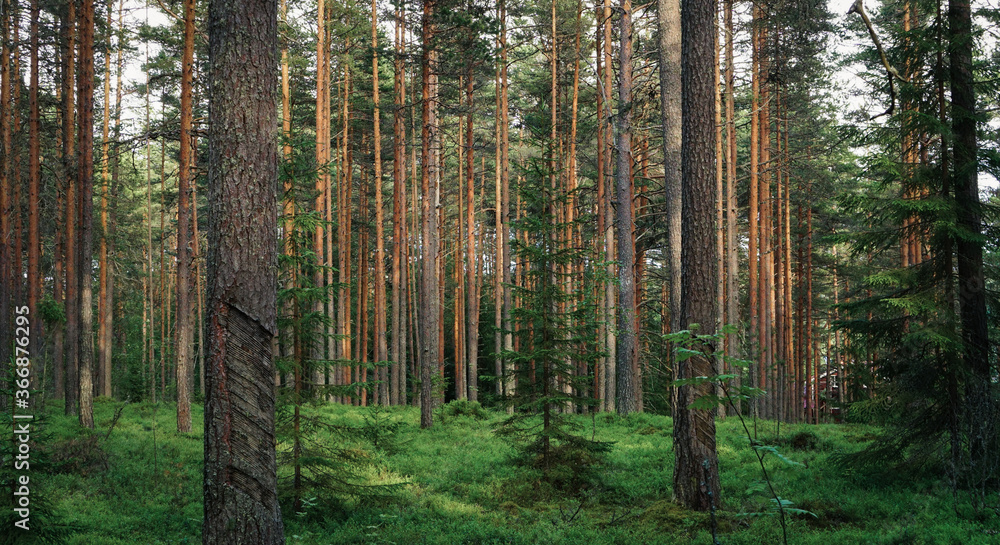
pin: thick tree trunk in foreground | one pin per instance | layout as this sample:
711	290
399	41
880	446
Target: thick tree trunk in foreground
241	503
696	471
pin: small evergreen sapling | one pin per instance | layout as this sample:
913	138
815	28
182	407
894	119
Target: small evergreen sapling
553	329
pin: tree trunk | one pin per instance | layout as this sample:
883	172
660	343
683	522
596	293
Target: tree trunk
381	346
969	247
628	349
85	175
241	503
34	178
72	345
429	211
471	282
7	272
732	256
185	327
696	472
669	19
104	311
397	391
322	181
610	374
753	213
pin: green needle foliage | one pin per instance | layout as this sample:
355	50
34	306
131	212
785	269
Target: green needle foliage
905	328
554	329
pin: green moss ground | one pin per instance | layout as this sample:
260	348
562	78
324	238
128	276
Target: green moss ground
455	485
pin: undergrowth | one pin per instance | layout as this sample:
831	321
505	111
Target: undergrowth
455	484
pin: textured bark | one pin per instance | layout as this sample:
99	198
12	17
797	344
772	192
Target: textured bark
7	274
429	212
184	330
381	342
241	504
500	243
969	247
72	341
720	245
602	360
292	345
669	19
346	178
732	256
103	308
34	178
85	177
397	390
628	347
504	265
610	348
754	204
323	179
696	472
472	261
148	334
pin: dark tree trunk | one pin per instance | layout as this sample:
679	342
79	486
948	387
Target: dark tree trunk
241	504
971	288
34	178
7	274
72	296
696	473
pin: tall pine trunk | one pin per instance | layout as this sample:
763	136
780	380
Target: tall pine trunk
241	502
628	348
85	177
184	330
429	212
696	471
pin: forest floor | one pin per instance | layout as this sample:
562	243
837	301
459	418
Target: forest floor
135	480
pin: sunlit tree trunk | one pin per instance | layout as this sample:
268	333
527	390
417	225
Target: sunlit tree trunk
185	327
322	180
397	390
472	261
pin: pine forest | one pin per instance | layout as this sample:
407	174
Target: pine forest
500	272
